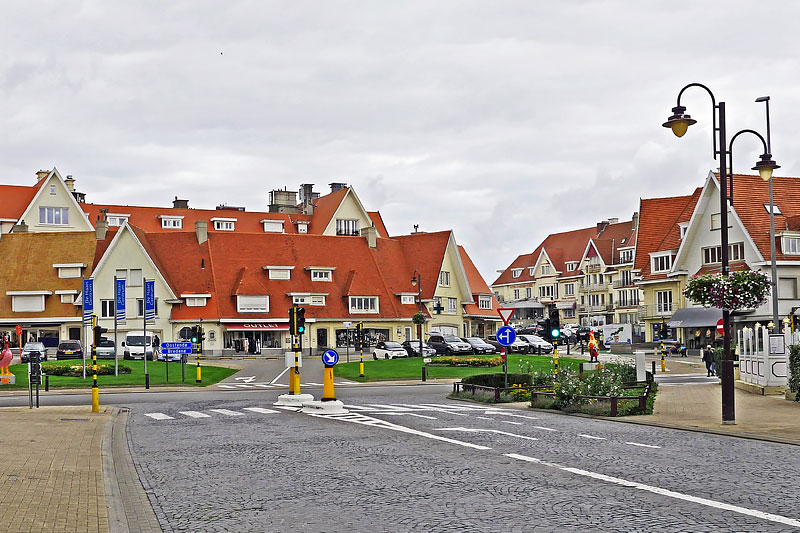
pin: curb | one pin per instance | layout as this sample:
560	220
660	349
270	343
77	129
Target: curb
114	504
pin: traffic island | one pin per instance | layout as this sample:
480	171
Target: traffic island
293	400
319	407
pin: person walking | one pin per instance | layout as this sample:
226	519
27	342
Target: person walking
708	359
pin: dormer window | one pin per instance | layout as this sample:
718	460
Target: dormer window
27	301
307	299
224	224
626	256
363	304
69	270
195	300
171	221
302	226
407	299
346	226
252	303
516	272
531	271
321	274
484	302
272	226
67	296
116	220
545	270
661	263
572	266
279	272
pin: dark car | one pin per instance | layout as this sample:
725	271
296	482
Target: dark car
69	350
582	334
519	346
479	345
412	348
449	344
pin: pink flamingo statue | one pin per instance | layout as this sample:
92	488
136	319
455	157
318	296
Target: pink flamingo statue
5	360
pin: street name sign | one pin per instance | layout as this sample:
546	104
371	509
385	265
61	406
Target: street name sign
506	335
505	313
172	348
330	357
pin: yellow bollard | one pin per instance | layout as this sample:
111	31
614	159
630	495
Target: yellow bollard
199	376
95	400
361	370
295	381
327	385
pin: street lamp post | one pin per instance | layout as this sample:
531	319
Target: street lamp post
679	122
416	281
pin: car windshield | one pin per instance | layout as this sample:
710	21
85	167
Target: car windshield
452	338
474	340
69	345
393	346
134	340
33	346
107	344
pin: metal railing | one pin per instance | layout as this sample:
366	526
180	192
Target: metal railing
656	310
594	286
619	284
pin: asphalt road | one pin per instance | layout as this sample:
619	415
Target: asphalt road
408	459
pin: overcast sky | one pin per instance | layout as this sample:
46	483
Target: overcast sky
505	121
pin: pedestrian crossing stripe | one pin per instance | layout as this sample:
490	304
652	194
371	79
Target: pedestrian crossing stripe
266	385
194	414
227	412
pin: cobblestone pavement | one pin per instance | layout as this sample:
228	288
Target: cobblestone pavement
418	462
51	470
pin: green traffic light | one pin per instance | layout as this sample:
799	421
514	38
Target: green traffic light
555	333
194	340
301	329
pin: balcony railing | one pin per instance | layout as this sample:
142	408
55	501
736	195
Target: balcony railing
656	310
619	284
594	286
627	303
601	308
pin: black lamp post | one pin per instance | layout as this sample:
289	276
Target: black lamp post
679	122
416	281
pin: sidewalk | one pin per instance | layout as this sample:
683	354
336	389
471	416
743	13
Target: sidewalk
699	408
66	469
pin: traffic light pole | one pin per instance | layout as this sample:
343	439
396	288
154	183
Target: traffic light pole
361	349
95	390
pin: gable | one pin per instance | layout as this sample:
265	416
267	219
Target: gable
350	208
46	211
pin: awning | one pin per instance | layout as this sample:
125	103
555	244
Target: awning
695	317
269	326
524	304
572	304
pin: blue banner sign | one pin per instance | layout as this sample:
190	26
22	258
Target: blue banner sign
120	301
88	300
150	299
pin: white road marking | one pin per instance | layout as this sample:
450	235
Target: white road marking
426	407
484	418
504	413
642	445
312	384
394	408
370	421
454	407
195	414
225	386
511	422
227	412
590	437
398	413
544	428
358	408
474	430
159	416
248	379
260	410
279	375
664	492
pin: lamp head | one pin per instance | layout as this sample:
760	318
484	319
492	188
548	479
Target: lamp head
679	122
766	166
414	281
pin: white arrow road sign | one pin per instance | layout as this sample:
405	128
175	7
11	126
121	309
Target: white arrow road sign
248	379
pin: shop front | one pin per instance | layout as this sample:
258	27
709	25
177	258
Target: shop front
698	326
255	338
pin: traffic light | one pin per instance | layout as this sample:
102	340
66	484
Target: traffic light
201	335
98	335
360	335
195	334
292	321
300	320
555	325
663	331
547	334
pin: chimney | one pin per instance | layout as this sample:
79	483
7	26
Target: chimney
337	186
101	228
307	197
70	181
180	204
371	234
601	226
283	201
19	227
42	174
613	220
635	220
201	230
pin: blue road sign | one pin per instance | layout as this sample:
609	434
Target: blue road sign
330	357
172	351
172	345
506	335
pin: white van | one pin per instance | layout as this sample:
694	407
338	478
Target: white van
134	347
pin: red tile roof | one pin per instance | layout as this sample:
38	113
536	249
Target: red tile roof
15	198
750	195
478	287
377	221
658	227
324	209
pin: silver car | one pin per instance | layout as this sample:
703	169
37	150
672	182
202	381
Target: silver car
106	350
29	347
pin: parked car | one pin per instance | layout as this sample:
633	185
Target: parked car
29	347
106	349
388	350
582	334
518	346
412	349
448	344
535	343
479	345
136	345
173	357
69	350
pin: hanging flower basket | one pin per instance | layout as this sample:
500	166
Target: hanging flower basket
418	318
739	290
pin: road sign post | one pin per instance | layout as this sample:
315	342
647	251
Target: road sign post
329	359
506	337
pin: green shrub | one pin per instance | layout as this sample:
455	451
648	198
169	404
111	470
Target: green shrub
794	371
497	380
77	370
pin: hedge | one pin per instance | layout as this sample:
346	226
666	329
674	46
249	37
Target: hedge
497	380
794	371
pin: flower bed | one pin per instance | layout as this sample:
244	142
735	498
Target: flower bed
77	370
467	361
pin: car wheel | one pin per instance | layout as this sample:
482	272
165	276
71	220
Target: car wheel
375	356
448	352
386	356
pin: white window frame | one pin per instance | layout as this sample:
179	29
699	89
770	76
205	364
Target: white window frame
53	190
347	226
224	224
246	303
569	313
572	266
53	216
317	299
171	222
69	270
135	277
569	289
546	269
532	271
67	298
777	209
321	275
452	306
272	226
663	303
655	261
444	278
280	273
547	291
302	226
790	244
713	254
516	272
484	302
140	307
516	294
364	304
116	220
782	282
108	308
407	299
18	299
